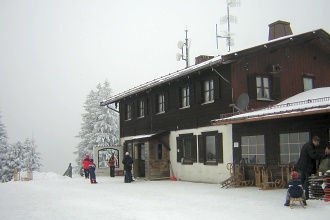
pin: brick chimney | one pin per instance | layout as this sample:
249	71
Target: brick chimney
202	58
279	29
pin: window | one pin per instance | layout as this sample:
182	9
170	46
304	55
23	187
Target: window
128	111
263	90
160	103
210	148
308	83
208	90
253	149
128	147
184	97
290	145
265	87
140	109
159	152
186	149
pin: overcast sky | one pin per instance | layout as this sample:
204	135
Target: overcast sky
54	52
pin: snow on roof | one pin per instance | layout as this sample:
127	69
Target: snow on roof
216	60
310	101
161	80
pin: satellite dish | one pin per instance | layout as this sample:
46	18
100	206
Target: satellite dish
178	56
242	103
180	44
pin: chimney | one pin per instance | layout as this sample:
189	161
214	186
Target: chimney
202	58
279	29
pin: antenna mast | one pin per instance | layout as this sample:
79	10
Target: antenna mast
180	46
228	19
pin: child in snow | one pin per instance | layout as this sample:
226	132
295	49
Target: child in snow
92	167
295	189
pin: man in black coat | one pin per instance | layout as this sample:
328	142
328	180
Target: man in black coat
307	161
128	161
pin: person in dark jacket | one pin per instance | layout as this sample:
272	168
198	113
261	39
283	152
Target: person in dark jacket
128	161
307	162
92	168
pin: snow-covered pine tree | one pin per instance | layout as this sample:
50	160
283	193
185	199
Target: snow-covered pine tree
5	172
100	125
31	158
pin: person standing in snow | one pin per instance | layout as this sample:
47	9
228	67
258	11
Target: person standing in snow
128	161
92	168
112	161
85	164
307	162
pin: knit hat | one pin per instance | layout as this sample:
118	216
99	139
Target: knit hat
294	175
126	153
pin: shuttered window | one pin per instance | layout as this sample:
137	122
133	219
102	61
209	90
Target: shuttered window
210	148
186	149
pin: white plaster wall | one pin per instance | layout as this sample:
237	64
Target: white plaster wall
198	172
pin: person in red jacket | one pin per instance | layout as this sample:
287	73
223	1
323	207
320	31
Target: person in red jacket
112	163
85	164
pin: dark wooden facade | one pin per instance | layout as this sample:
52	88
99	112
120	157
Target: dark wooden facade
305	55
318	124
174	117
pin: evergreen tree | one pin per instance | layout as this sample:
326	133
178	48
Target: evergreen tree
31	158
100	125
18	156
5	173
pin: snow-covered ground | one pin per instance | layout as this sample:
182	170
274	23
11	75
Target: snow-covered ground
51	196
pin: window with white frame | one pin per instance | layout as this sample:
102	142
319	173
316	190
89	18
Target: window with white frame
140	108
263	90
290	146
184	97
128	111
308	83
253	149
160	103
208	90
186	148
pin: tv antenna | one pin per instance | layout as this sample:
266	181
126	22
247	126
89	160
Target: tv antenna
182	44
227	20
242	103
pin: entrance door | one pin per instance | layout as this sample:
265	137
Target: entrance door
139	162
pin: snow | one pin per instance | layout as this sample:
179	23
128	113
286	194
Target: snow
50	196
311	100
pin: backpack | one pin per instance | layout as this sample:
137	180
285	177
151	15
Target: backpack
295	191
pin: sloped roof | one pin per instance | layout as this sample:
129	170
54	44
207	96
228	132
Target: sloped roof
314	101
318	37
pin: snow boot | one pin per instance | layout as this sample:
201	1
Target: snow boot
287	203
304	202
